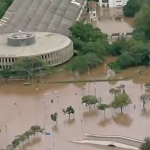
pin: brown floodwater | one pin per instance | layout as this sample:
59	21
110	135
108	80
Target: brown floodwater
33	107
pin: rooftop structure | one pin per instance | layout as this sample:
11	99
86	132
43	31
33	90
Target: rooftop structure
51	47
42	16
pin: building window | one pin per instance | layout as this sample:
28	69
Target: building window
108	5
103	5
105	1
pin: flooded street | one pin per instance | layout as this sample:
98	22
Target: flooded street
35	107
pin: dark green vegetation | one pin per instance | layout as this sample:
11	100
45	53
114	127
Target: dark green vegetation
91	44
4	5
146	144
27	67
133	6
134	51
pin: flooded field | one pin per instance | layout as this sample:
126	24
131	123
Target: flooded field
35	107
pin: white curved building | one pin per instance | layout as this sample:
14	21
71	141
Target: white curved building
53	48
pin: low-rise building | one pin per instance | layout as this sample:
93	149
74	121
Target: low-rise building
112	3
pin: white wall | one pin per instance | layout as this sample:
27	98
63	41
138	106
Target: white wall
113	3
93	15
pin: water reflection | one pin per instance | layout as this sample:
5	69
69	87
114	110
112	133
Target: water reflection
122	119
145	113
90	114
105	121
70	121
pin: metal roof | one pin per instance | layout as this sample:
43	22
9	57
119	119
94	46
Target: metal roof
41	16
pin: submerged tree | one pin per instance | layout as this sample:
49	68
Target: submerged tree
69	110
145	98
89	100
120	101
54	117
32	66
103	107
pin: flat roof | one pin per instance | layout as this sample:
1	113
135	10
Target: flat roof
46	42
41	16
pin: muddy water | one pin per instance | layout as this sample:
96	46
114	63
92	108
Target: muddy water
35	108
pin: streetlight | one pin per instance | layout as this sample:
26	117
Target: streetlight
37	89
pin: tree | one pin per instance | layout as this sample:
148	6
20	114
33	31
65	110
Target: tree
92	60
54	117
141	20
78	64
146	144
125	60
103	107
69	110
120	101
145	98
89	100
36	129
22	138
115	91
6	73
31	65
131	8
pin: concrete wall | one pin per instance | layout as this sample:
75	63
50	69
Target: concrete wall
112	3
52	58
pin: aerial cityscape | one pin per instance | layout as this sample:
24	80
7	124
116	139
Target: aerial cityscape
74	74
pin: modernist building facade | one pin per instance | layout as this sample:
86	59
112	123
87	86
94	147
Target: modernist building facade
112	3
53	48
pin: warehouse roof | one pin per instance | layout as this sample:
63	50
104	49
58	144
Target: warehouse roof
41	15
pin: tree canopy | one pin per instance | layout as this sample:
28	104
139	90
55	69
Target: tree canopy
4	5
91	44
120	101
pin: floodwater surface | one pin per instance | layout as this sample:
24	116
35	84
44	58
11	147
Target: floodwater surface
35	107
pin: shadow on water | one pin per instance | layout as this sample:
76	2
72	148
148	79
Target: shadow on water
90	113
31	142
122	119
145	113
70	121
105	121
55	128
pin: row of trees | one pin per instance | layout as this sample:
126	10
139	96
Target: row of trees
19	139
121	99
26	67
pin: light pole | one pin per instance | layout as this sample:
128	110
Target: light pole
37	89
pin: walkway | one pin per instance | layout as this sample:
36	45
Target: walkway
113	138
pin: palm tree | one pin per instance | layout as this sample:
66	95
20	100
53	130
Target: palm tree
146	144
102	107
